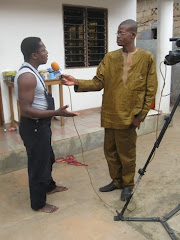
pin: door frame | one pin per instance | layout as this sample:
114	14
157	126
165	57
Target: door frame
1	110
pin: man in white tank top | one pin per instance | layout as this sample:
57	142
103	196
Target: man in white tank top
37	108
39	100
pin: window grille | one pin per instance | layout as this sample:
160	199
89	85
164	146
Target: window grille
85	36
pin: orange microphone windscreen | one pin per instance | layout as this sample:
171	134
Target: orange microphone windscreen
55	66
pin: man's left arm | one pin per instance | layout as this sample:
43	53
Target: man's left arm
151	88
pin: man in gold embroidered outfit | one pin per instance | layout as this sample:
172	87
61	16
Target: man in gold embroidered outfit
128	76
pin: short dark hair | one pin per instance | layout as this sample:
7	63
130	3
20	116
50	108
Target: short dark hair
30	45
131	24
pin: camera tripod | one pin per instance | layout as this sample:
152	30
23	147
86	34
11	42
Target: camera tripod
141	172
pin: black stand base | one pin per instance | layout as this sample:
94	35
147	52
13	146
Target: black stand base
141	172
162	220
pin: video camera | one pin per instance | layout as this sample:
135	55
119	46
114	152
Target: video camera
174	56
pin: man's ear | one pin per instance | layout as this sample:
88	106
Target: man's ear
134	35
34	56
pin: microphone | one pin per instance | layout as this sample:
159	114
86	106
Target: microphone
57	70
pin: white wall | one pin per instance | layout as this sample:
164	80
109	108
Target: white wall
44	18
165	31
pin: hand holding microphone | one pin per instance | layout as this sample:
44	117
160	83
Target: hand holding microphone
66	79
58	73
69	80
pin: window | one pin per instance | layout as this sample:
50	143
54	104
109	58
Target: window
154	33
85	36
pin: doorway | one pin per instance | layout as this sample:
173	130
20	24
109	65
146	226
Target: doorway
1	110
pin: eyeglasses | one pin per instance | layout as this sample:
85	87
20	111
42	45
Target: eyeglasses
120	33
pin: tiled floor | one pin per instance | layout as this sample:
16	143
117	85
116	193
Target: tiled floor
88	121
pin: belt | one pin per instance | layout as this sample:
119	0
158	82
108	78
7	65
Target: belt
41	120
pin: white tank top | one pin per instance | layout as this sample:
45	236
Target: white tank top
39	101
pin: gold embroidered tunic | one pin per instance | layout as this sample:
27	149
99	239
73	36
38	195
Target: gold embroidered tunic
130	84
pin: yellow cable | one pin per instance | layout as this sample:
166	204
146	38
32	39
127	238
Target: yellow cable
82	152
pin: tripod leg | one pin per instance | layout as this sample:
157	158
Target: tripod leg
171	213
165	224
156	145
169	230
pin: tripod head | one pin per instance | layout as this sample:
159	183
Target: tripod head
174	56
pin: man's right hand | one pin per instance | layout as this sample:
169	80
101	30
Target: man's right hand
69	80
63	112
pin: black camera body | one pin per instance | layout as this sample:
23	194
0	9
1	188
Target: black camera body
174	56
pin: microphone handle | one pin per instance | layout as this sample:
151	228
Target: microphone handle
58	74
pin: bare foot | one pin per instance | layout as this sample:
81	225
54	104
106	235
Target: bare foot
58	189
48	208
